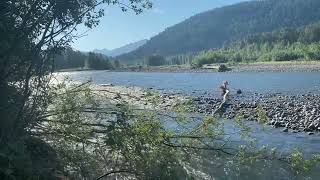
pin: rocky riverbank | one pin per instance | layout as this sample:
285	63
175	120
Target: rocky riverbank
288	66
296	113
139	98
277	67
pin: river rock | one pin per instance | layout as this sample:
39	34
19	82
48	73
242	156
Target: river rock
310	133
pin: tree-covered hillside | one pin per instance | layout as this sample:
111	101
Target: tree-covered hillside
215	28
285	44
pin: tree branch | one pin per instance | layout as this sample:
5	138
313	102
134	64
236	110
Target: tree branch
116	172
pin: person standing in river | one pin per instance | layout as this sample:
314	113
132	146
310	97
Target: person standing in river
224	88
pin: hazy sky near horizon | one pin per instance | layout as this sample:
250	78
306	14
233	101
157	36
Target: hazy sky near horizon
118	28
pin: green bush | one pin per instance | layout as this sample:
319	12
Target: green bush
284	55
256	52
210	57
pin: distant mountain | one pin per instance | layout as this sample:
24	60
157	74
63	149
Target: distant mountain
122	50
220	26
106	52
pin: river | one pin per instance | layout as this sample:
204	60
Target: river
286	82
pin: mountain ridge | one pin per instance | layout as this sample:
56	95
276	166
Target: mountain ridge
121	50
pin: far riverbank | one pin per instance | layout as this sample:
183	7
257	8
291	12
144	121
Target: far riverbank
285	66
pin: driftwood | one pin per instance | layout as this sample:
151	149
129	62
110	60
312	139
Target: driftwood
222	106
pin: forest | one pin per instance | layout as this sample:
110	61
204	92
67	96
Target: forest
71	59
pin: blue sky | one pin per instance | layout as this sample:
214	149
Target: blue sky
118	28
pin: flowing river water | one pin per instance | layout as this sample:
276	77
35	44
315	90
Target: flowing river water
197	84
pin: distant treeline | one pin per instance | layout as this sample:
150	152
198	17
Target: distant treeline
158	60
71	59
281	45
